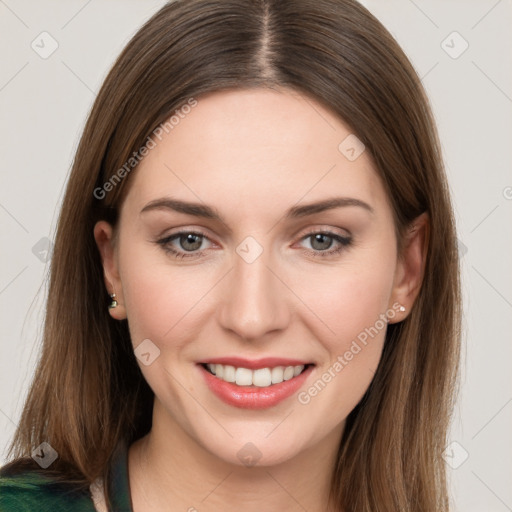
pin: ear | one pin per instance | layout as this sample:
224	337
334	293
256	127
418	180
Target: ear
410	267
105	240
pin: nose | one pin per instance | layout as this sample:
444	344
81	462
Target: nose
254	301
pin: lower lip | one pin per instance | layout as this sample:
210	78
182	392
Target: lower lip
254	397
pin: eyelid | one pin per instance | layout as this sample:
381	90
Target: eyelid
185	230
324	229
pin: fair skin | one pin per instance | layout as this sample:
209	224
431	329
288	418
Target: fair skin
251	155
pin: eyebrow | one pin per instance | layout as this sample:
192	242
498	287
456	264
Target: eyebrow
207	212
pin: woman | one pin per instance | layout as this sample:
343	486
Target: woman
254	296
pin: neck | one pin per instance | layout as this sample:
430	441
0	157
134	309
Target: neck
168	466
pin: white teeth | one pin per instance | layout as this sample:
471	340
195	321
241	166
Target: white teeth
288	373
263	377
243	377
277	374
229	374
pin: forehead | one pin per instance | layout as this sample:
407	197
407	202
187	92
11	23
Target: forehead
253	149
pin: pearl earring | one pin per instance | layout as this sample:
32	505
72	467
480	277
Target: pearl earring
114	302
113	297
402	309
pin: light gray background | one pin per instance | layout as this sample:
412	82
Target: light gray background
44	103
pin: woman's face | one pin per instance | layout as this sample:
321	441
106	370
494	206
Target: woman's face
222	257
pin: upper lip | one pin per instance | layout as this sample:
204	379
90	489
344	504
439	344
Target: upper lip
255	364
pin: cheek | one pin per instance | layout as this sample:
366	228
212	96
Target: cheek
161	301
350	304
356	315
150	308
166	305
350	298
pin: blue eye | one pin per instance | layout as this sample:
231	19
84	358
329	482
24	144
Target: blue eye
322	241
189	243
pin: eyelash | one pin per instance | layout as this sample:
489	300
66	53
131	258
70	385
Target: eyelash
342	240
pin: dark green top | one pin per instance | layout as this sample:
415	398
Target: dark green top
35	492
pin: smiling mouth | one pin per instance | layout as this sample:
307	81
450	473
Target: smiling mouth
262	377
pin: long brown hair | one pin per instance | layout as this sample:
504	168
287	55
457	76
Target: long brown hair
88	393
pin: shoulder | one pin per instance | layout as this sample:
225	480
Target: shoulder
31	491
